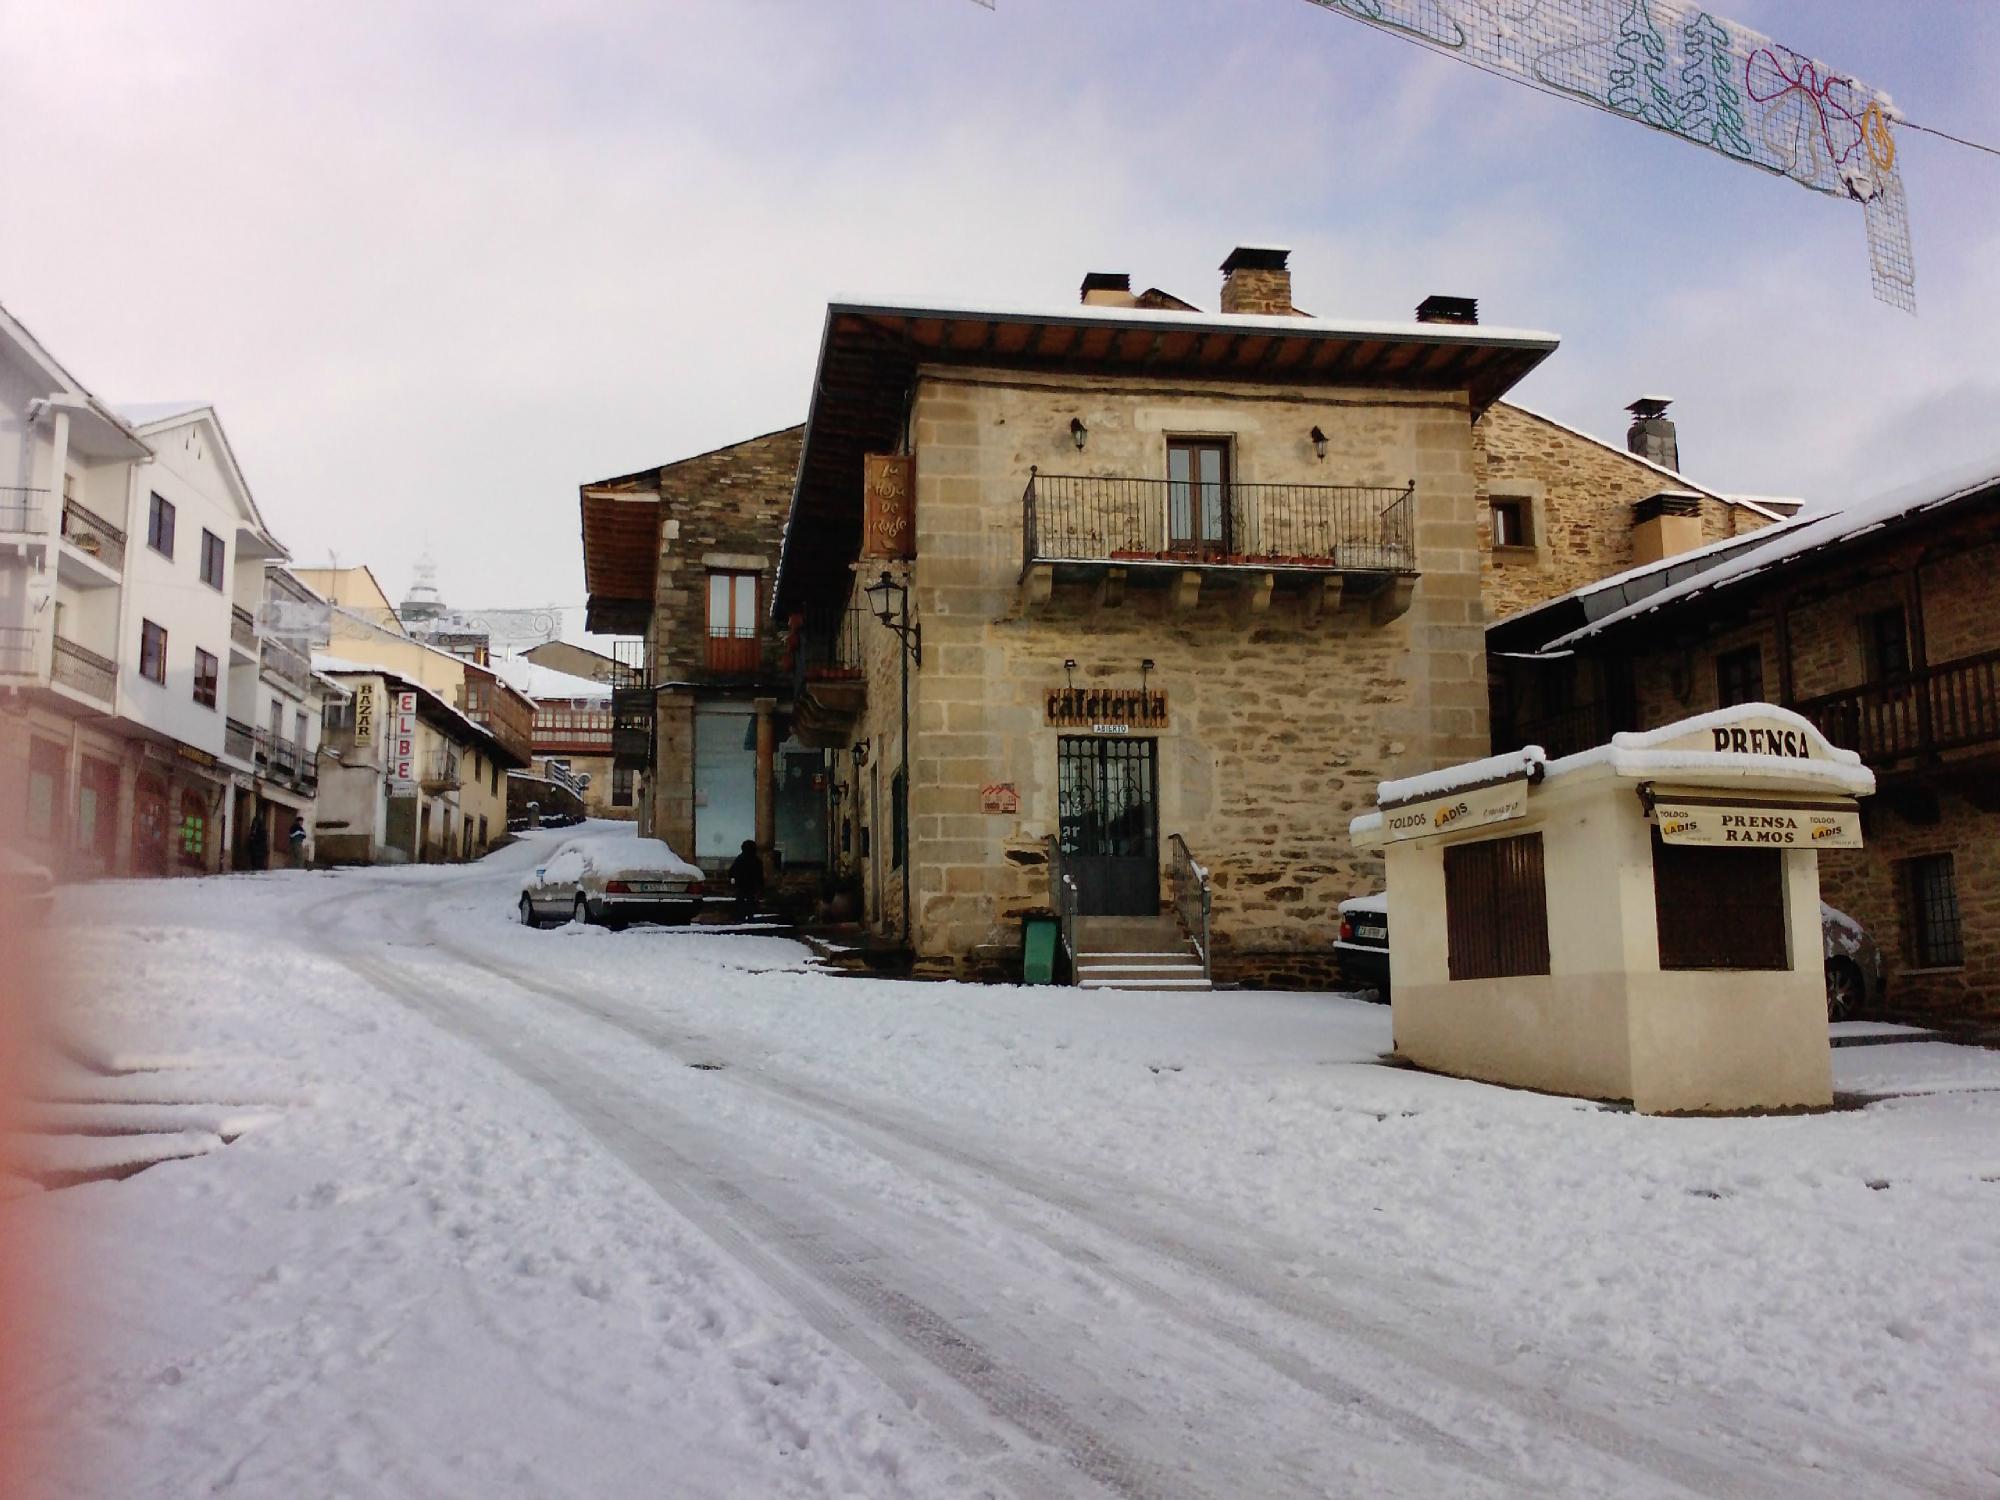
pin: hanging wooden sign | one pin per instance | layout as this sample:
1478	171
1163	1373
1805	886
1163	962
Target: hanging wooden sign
888	506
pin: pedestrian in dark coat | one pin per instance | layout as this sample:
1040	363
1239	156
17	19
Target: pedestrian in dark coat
297	838
256	842
746	880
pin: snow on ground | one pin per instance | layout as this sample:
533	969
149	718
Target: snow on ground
667	1212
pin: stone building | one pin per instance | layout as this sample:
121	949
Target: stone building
683	555
1873	622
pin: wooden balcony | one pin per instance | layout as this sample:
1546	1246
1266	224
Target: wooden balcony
1944	710
829	689
1336	540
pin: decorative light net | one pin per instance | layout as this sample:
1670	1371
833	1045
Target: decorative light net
1681	70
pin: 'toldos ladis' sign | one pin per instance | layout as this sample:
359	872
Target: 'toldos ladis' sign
1472	807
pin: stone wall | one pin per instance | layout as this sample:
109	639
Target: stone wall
1579	496
1282	716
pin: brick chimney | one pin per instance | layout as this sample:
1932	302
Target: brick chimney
1652	434
1665	525
1257	281
1108	289
1436	309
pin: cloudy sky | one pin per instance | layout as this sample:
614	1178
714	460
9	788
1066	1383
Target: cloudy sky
437	263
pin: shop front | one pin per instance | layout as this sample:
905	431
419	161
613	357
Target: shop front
1639	921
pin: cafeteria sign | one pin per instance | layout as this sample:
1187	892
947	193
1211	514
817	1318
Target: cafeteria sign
1470	807
1713	822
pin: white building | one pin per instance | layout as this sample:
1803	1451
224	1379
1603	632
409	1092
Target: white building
132	567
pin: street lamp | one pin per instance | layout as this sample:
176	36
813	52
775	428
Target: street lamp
1319	442
891	602
1078	433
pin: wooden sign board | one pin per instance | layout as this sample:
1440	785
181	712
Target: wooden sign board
888	506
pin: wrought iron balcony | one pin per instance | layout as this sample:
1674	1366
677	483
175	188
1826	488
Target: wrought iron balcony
83	670
17	650
1951	706
829	689
21	510
440	772
239	740
1316	528
89	532
632	728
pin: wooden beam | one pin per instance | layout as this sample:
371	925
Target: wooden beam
1185	592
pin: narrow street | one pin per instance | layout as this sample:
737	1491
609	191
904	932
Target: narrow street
563	1208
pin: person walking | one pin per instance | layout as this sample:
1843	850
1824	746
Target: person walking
746	880
256	842
297	839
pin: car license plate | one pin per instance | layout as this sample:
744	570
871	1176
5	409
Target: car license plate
1375	934
654	888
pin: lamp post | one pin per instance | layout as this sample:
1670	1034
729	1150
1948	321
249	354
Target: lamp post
890	600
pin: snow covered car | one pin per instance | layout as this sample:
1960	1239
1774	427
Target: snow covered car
1854	975
613	879
1362	949
27	891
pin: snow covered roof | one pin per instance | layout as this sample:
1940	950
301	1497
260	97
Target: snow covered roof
145	413
337	667
1809	534
1742	502
533	680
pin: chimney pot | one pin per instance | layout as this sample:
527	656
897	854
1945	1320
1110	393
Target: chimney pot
1652	434
1441	309
1107	289
1257	281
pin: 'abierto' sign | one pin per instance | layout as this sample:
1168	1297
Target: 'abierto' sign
1474	807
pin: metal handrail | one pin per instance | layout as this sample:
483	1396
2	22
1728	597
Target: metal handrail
1194	900
83	669
87	531
17	649
1113	518
1067	911
20	509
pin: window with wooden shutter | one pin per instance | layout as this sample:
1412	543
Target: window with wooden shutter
1719	908
1496	908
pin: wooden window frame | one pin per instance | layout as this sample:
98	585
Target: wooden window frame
737	646
150	633
160	518
207	671
1724	662
1195	544
215	550
1874	636
1720	909
1521	508
1933	906
1496	908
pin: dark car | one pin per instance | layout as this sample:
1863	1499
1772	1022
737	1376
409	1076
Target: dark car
1362	949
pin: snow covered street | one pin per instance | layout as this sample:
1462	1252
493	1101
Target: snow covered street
518	1212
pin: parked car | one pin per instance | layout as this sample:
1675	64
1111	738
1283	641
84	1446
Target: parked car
1362	950
27	891
1855	979
613	879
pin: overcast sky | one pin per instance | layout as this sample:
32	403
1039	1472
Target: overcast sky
438	263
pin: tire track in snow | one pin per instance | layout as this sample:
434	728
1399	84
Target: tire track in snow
1651	1454
743	1225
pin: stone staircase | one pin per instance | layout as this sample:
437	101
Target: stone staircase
1136	953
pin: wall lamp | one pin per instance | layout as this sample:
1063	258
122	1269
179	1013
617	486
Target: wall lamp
1319	443
1069	673
891	602
1078	433
1145	671
860	754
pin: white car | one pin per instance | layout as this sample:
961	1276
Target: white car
612	879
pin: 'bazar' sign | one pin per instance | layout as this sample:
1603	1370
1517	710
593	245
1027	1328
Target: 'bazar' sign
1107	710
1471	807
1756	825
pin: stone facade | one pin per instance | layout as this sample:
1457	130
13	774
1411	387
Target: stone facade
1578	495
1283	712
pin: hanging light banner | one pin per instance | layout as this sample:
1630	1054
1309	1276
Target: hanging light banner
1682	70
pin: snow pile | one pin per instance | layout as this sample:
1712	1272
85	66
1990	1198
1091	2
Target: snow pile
1471	773
1647	752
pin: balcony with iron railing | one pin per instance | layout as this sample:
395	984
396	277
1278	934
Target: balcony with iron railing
92	535
243	629
829	691
84	671
21	510
440	772
1077	524
17	650
239	741
1945	709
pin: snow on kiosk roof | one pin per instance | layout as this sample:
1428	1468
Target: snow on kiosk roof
869	352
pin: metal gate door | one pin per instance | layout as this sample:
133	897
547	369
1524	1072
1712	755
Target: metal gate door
1109	824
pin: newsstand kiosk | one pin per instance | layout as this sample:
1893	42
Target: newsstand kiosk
1639	921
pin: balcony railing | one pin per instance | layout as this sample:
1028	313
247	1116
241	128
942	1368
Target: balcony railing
1562	733
21	510
440	772
825	645
17	649
287	665
89	532
1316	527
83	670
243	627
239	740
739	650
628	663
1954	705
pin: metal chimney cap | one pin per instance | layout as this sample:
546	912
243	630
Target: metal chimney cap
1650	406
1438	308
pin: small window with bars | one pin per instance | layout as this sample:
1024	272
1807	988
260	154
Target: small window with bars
1936	938
1496	908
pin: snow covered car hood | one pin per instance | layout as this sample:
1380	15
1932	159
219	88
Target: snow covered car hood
612	856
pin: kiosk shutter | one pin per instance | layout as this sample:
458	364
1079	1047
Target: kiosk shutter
1719	908
1496	908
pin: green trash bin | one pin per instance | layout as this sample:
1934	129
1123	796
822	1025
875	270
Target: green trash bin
1038	947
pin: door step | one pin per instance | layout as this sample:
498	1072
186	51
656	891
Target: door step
1148	986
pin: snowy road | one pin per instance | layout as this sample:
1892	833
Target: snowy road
944	1240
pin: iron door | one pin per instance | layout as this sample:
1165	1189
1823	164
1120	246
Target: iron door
1108	805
